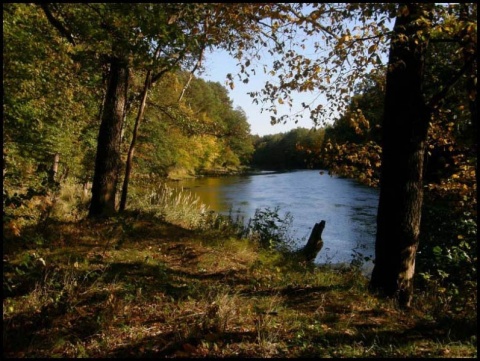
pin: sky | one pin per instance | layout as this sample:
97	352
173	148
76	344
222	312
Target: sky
220	63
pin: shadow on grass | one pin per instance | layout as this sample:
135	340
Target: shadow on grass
169	345
79	313
373	341
88	311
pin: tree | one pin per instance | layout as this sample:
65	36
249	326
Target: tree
107	161
352	150
405	127
238	135
131	150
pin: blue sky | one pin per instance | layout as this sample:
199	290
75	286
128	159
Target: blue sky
219	64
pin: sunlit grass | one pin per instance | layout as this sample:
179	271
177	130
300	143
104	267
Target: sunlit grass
71	202
177	206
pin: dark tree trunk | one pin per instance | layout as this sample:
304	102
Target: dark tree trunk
405	126
107	161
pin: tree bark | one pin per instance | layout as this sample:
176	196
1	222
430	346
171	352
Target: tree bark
405	125
108	159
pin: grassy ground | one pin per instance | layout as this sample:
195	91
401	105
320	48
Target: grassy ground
136	286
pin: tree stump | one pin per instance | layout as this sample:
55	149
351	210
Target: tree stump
315	242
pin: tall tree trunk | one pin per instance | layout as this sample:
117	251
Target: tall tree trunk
107	161
405	125
131	150
149	80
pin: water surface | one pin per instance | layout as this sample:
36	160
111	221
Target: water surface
348	207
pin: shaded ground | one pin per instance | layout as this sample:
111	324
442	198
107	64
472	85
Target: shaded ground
138	287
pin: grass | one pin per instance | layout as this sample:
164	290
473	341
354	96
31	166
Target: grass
139	286
177	206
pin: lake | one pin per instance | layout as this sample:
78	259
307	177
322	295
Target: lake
310	196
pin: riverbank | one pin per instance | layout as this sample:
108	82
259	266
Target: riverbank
179	174
348	208
136	286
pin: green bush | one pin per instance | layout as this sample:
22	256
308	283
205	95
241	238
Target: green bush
270	229
447	259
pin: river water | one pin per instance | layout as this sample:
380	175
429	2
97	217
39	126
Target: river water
310	196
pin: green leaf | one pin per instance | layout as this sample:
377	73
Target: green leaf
437	251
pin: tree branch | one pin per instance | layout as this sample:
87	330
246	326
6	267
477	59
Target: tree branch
56	23
199	62
314	24
158	75
189	130
444	40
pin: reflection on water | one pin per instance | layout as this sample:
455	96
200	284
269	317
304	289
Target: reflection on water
214	191
348	208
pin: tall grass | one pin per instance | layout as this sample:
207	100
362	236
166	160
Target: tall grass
71	201
177	206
